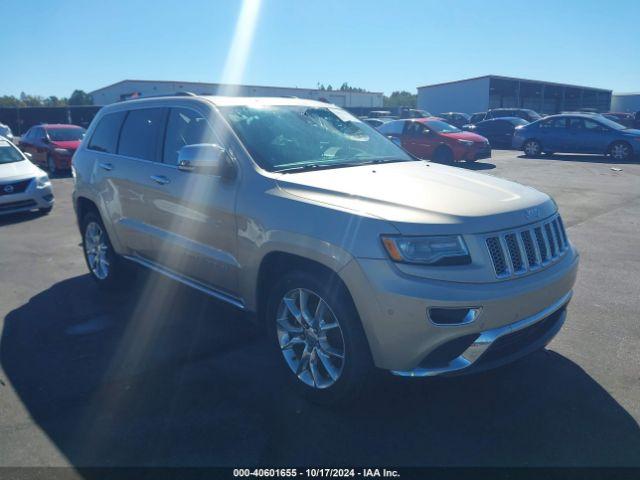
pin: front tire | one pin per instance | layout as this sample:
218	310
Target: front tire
318	337
532	148
620	151
105	265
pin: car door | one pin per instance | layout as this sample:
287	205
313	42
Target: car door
597	136
128	186
503	132
577	137
40	146
194	212
486	128
553	134
419	140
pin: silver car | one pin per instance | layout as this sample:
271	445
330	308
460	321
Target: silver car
23	186
354	254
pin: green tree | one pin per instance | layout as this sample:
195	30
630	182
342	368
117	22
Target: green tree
30	100
80	97
400	99
9	101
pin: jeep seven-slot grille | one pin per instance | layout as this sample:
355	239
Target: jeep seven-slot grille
519	251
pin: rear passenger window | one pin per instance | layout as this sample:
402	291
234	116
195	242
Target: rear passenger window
185	127
105	136
141	133
392	128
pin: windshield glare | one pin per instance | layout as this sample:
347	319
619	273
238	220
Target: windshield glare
8	153
65	134
296	136
441	127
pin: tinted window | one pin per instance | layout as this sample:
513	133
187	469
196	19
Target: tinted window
185	127
575	123
141	133
392	128
65	134
559	122
105	136
414	129
8	153
441	127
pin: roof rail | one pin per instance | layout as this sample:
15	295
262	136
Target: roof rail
175	94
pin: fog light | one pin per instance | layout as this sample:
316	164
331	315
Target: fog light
453	316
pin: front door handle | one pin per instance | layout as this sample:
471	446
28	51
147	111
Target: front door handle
161	179
106	166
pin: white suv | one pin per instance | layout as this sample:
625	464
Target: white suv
353	253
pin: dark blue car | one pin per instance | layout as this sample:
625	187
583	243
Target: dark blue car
577	133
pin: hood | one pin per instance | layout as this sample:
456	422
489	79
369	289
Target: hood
69	144
632	131
474	137
412	194
18	171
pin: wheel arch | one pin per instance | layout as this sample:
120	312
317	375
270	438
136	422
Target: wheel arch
278	262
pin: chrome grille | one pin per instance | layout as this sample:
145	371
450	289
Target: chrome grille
522	250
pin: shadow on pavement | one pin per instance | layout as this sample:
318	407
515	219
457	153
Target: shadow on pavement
580	158
12	218
164	376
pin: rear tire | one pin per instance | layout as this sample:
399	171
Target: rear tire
443	155
106	267
532	148
620	151
324	355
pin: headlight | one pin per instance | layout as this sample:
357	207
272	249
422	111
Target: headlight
43	181
63	151
436	250
466	143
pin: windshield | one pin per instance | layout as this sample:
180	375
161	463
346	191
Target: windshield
518	121
5	130
441	127
610	123
65	134
533	114
292	137
9	153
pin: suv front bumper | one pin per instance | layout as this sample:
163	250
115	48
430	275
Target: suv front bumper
393	309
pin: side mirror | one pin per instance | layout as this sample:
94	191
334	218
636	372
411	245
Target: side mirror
206	158
427	132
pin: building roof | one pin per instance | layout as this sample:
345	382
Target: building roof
626	94
512	78
223	85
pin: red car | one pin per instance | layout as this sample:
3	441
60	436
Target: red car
52	145
435	139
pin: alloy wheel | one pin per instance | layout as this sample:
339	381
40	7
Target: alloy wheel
620	151
95	247
310	338
532	148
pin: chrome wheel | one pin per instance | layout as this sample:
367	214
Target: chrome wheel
310	338
620	151
532	148
95	247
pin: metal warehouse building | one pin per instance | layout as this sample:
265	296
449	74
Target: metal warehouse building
492	91
127	89
625	102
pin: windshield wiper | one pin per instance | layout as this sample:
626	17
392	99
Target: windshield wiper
313	166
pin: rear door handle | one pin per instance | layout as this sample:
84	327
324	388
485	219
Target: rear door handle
106	165
161	179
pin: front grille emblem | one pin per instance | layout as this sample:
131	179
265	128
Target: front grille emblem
8	188
532	213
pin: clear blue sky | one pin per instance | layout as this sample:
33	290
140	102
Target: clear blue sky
53	47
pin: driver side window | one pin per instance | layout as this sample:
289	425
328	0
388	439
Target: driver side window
185	127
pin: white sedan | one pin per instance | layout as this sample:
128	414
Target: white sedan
23	186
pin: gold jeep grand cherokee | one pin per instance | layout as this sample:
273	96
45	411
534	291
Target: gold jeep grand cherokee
353	253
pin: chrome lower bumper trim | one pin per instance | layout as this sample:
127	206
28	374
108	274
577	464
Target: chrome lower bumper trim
483	342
